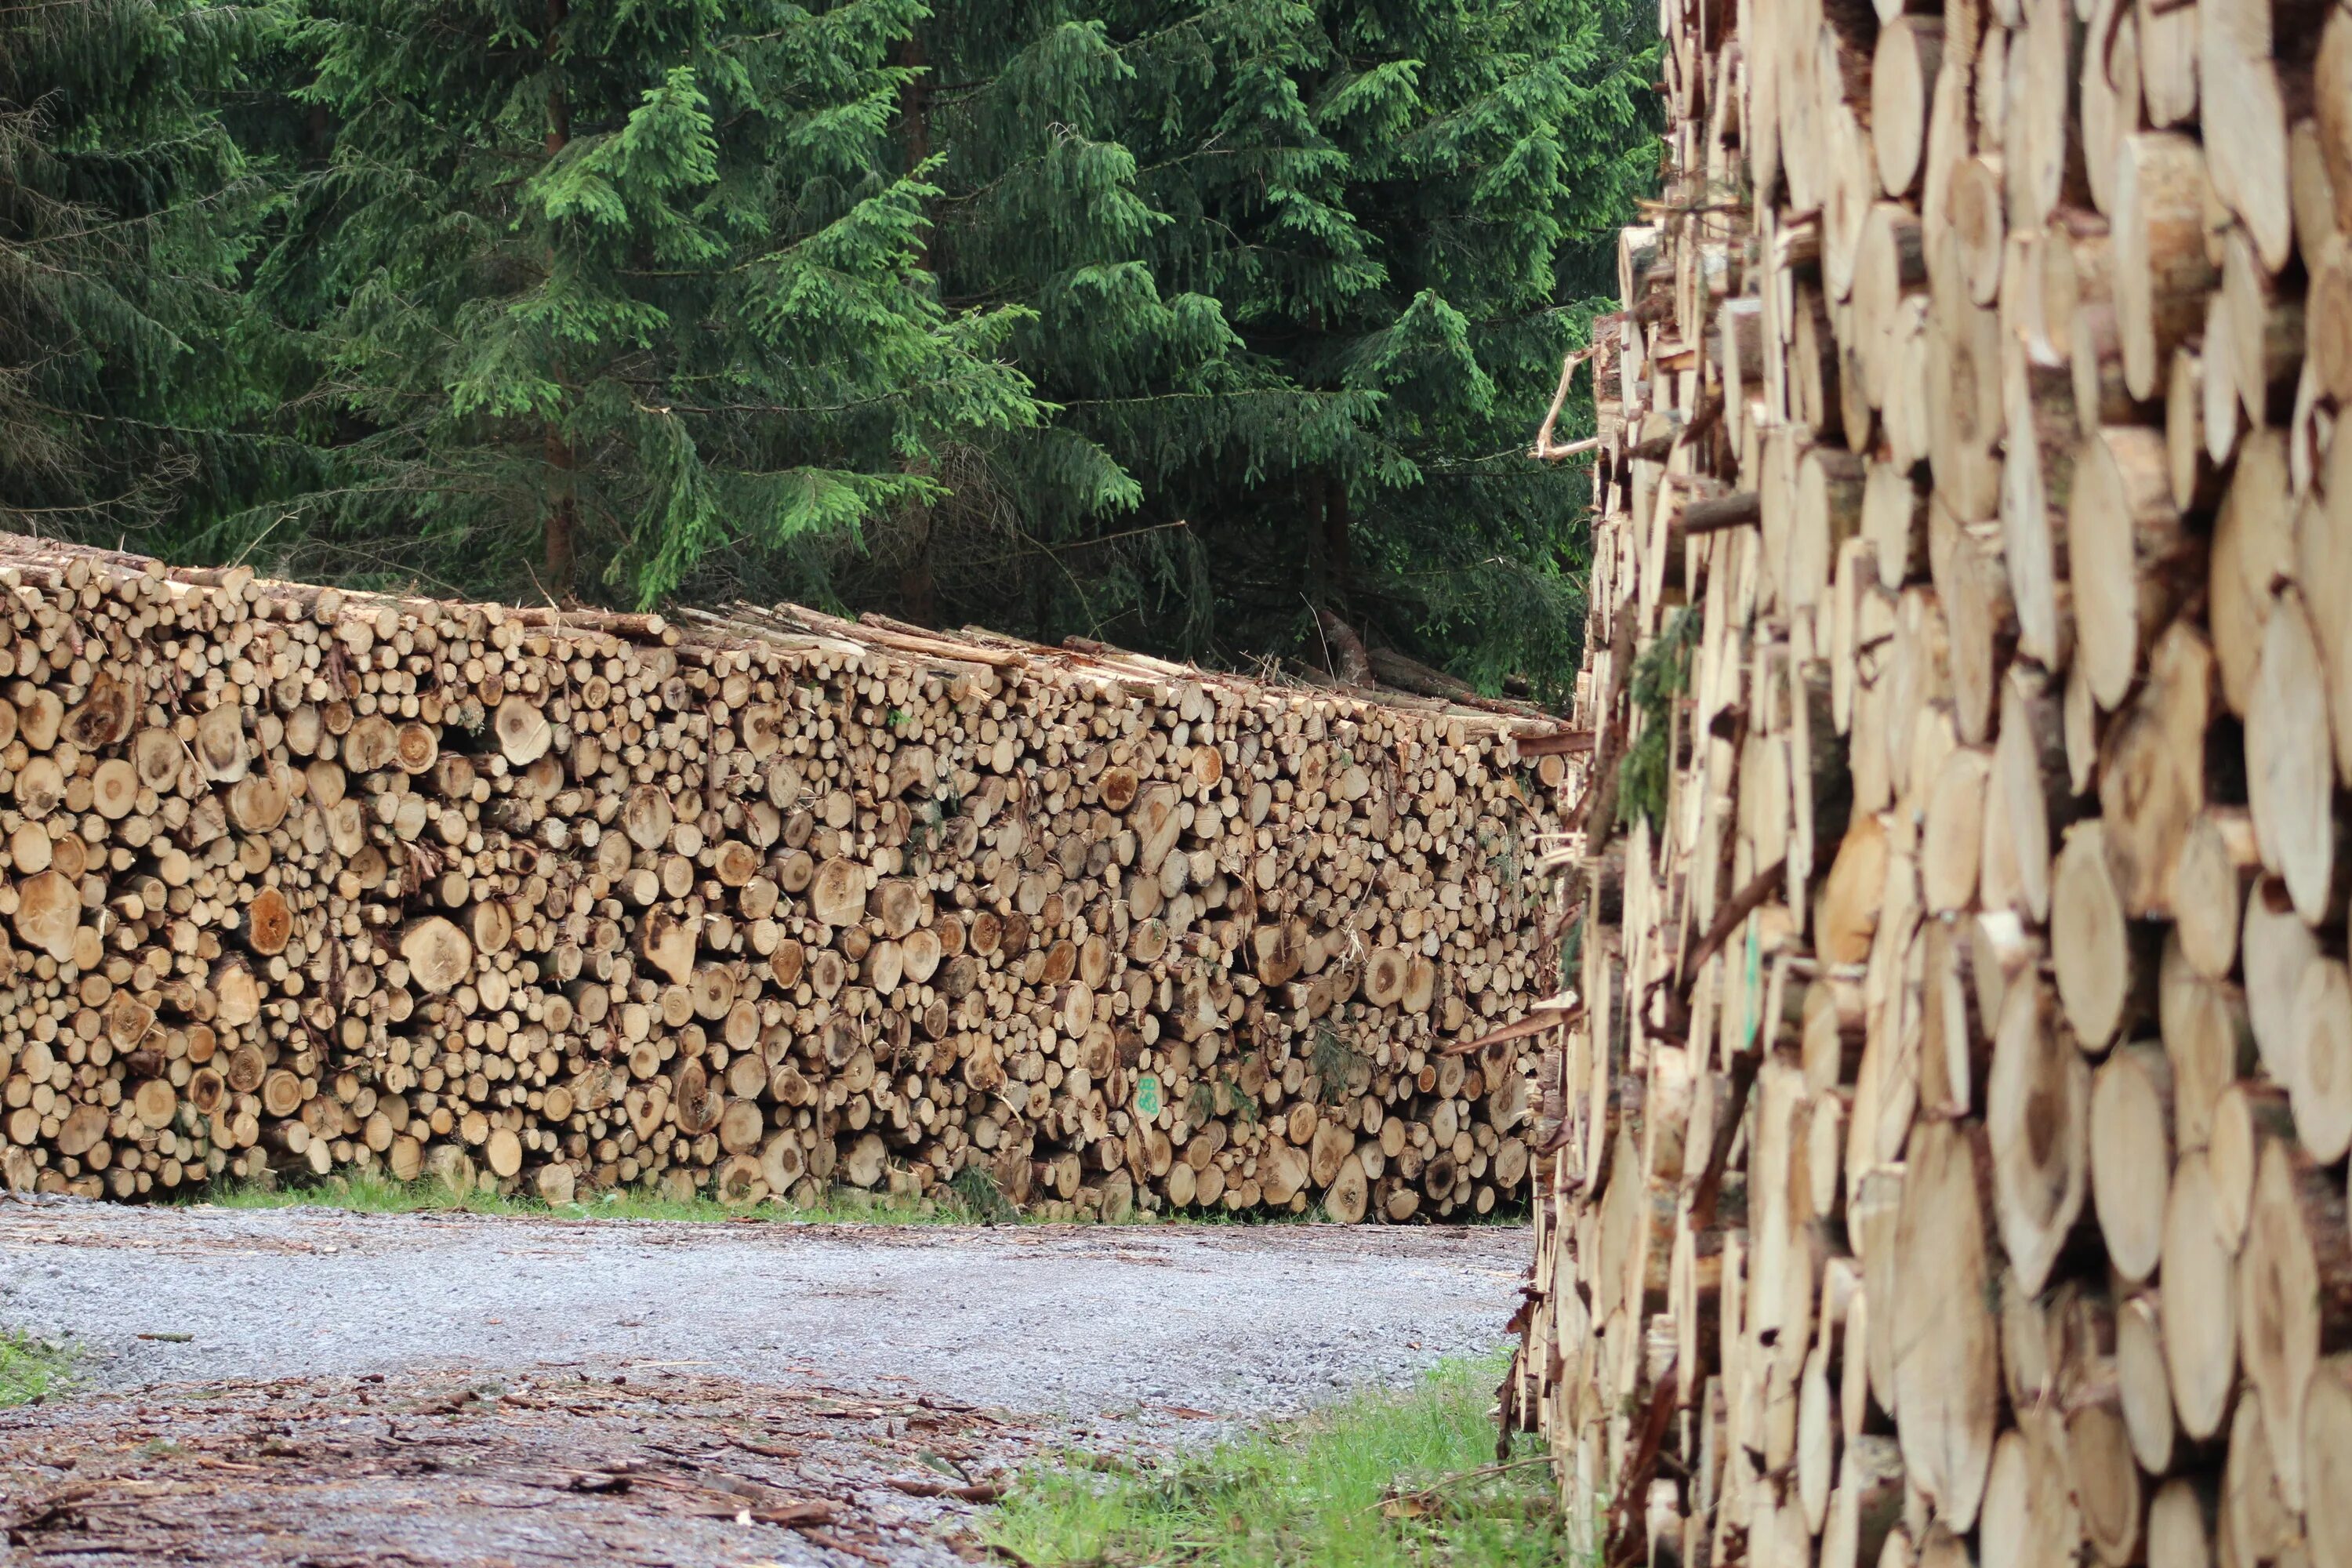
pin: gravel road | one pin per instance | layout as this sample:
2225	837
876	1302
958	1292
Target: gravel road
1068	1321
530	1348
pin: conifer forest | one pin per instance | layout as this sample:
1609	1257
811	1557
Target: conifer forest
1196	326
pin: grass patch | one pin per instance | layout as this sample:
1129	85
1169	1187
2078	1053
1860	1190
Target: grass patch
973	1198
1382	1481
379	1194
361	1195
32	1370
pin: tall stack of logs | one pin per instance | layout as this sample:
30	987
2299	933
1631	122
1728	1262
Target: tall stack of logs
304	881
1946	1159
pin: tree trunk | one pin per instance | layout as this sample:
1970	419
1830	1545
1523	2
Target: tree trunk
918	590
919	599
1336	543
914	121
562	511
562	503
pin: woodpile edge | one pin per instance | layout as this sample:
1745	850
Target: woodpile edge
1945	1162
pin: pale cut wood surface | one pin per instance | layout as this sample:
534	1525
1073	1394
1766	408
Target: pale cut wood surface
1972	1037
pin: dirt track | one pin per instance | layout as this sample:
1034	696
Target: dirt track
460	1390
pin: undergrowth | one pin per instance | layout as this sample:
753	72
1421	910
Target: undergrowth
1382	1481
31	1368
981	1199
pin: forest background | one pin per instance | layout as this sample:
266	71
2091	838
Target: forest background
1175	323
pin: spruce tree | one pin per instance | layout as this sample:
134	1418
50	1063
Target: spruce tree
598	292
1205	325
1299	277
125	209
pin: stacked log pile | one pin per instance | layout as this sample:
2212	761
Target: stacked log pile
1946	1161
304	881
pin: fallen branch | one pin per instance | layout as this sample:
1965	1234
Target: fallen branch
1535	1023
1425	1497
1743	903
1709	1190
1346	651
1544	450
981	1491
833	1542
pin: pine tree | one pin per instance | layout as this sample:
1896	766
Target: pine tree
125	209
1299	274
602	295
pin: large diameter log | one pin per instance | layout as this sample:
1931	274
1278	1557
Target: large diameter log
2162	273
1964	396
2151	772
2322	573
2029	1514
438	953
1981	616
1908	55
2294	1298
1946	1368
2256	1524
2044	151
2106	1480
2131	1156
2244	121
2290	763
2198	1304
2253	552
2132	559
2037	1122
2332	107
1890	264
2321	1089
2105	966
2275	948
2209	878
2109	88
48	914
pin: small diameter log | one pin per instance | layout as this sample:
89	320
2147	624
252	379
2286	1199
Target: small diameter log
2131	1120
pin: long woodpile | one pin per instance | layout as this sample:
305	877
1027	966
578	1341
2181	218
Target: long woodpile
1945	1160
301	881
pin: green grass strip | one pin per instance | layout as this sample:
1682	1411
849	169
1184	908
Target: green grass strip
1383	1480
379	1194
971	1199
